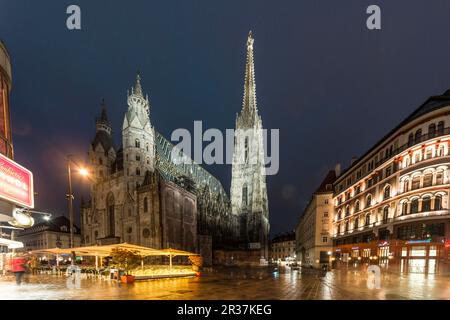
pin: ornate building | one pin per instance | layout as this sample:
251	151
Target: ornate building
140	195
248	180
392	204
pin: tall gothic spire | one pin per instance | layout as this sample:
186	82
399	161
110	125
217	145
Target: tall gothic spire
249	102
137	86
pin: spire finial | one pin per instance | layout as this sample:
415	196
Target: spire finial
249	103
137	86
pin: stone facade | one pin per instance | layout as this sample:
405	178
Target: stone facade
249	201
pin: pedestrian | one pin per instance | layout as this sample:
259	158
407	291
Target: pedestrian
18	268
33	265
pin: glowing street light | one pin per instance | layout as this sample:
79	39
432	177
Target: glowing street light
84	172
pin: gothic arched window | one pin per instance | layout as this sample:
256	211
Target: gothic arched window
110	205
244	195
246	149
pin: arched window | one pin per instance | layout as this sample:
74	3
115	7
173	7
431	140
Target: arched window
404	208
440	151
110	205
138	171
406	186
415	183
339	214
426	204
137	143
367	222
369	201
410	139
440	128
346	226
356	224
385	214
244	195
145	204
439	177
246	149
431	130
427	180
357	206
387	192
415	206
438	202
418	136
347	211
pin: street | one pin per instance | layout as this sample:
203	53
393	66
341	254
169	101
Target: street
237	284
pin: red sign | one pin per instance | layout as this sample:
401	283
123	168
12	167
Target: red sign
16	183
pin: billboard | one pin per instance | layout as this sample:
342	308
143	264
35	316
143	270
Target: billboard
16	183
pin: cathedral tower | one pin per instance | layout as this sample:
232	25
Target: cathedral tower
101	152
248	179
138	138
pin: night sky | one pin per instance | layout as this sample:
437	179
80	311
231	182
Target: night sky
330	85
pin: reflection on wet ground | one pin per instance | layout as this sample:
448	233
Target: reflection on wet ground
238	284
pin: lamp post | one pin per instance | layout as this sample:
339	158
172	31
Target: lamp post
70	197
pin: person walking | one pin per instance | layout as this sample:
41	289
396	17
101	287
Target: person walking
18	268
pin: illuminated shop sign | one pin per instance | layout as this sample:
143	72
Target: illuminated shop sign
418	241
383	243
16	183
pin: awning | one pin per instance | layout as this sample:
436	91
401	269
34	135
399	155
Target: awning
10	243
104	251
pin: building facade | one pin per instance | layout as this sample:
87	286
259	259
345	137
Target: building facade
391	206
51	234
313	231
6	145
249	203
283	248
140	195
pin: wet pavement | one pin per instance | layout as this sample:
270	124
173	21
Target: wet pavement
237	284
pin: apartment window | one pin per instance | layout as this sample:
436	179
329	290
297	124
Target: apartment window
428	180
431	130
358	189
367	220
440	128
387	192
357	206
138	171
347	211
426	204
385	214
137	143
438	202
388	171
415	206
418	136
439	178
415	183
324	239
356	223
429	153
325	214
404	208
138	157
406	186
370	183
410	139
326	201
440	151
369	201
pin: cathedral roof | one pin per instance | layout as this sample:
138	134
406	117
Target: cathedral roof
104	139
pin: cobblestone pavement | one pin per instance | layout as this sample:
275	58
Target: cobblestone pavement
238	284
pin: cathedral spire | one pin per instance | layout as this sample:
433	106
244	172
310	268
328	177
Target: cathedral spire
137	87
249	101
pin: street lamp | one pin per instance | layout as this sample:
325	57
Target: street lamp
83	172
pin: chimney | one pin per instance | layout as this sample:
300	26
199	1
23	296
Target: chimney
337	169
353	160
